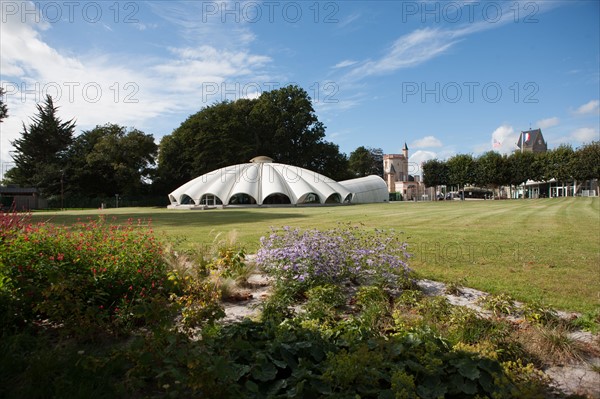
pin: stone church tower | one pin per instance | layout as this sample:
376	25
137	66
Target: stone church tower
395	168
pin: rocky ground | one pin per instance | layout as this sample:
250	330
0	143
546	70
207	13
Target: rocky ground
580	377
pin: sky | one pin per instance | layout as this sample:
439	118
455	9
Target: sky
444	77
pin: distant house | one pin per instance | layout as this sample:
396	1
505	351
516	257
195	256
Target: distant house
532	140
399	180
21	198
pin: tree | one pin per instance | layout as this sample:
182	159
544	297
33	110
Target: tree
587	162
560	163
491	170
520	167
40	154
109	160
280	124
435	173
3	107
366	161
461	169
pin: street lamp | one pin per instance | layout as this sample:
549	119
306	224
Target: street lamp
117	197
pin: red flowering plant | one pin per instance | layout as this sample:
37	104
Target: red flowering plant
83	276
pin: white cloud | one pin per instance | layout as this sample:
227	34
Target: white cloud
585	134
426	142
591	107
548	122
416	160
98	88
504	139
344	64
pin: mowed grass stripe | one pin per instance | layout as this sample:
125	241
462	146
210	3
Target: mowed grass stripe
546	249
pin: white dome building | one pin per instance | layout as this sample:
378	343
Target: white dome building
264	182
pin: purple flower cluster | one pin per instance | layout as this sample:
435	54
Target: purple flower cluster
345	253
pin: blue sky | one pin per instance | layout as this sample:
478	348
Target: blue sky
445	77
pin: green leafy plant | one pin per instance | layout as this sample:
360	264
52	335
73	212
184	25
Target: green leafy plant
454	287
502	304
537	312
323	302
375	309
589	321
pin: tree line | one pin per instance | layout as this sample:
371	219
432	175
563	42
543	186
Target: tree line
111	159
493	170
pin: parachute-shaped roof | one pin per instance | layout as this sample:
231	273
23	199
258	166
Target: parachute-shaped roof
260	182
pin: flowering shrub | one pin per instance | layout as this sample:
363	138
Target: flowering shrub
313	257
81	275
12	222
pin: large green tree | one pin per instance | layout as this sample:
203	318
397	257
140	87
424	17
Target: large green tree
586	165
461	169
40	153
435	173
521	167
366	161
560	164
491	170
109	160
281	124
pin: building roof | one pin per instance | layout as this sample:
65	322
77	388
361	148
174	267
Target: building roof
18	190
264	182
532	140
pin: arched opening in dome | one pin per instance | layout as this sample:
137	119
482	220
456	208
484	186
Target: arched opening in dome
334	198
348	199
309	198
276	199
172	199
210	200
242	199
186	200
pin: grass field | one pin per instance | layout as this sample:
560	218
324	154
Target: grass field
546	249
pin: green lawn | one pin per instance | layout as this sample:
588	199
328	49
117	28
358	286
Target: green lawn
547	249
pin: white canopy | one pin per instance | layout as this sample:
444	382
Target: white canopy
367	189
263	182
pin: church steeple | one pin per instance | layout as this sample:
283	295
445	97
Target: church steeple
405	150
